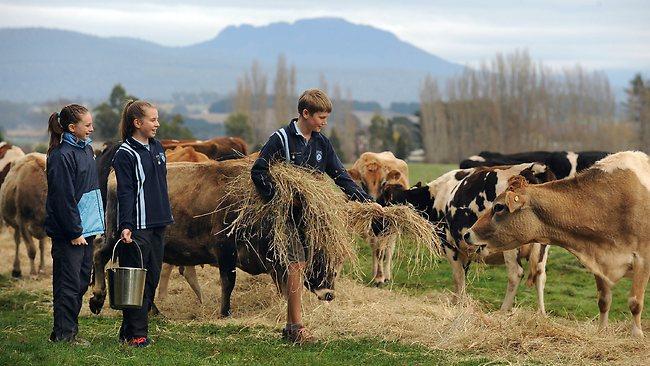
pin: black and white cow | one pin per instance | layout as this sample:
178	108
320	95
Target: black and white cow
562	163
455	200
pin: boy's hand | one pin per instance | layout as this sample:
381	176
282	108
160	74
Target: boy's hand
126	236
79	241
376	206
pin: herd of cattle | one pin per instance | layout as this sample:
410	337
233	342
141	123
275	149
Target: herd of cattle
492	210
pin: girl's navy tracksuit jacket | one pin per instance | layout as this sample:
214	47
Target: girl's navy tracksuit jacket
142	207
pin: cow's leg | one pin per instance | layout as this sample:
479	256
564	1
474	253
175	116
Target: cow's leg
31	253
641	273
381	260
16	272
515	272
41	247
604	300
374	248
458	272
540	281
227	259
192	279
388	260
165	274
101	256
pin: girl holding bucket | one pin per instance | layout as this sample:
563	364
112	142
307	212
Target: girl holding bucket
143	208
74	215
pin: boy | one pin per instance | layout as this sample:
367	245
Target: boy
301	143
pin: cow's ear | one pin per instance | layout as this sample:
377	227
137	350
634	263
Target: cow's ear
514	201
516	182
418	185
354	173
393	175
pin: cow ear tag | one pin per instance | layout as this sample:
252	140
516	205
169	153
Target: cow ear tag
514	201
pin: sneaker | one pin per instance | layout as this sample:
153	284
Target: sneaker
297	334
139	342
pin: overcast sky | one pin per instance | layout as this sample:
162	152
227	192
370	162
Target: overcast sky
597	34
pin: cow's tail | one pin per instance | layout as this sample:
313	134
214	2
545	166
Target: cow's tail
535	257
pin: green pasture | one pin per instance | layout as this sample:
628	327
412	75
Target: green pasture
25	319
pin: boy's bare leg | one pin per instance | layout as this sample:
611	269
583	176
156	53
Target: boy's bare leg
294	293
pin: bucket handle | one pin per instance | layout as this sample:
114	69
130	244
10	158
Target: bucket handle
136	245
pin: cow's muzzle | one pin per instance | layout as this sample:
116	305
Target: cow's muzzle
324	294
472	243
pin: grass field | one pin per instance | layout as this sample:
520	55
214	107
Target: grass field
189	334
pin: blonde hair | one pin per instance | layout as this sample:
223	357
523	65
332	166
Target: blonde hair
134	109
314	101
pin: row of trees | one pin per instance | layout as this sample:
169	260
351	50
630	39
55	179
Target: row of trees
253	120
509	104
515	104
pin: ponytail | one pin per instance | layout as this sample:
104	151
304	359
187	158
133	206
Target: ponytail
134	109
70	114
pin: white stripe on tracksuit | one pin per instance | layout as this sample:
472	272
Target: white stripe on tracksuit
140	210
282	134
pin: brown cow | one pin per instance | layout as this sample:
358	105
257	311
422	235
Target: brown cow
8	153
22	206
601	216
195	238
218	148
180	154
185	153
373	171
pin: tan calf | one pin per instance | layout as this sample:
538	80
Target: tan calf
601	216
373	171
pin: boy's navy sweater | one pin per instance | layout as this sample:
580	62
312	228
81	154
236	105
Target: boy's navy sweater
289	145
74	204
142	200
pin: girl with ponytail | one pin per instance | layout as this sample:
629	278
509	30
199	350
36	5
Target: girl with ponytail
143	208
74	215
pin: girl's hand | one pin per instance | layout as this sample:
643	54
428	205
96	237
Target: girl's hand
79	241
126	236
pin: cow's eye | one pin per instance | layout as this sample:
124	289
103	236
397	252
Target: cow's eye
499	208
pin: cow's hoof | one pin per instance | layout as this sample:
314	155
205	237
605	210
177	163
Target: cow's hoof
225	315
379	284
16	274
33	276
637	333
153	310
96	303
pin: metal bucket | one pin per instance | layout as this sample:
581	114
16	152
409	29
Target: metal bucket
126	284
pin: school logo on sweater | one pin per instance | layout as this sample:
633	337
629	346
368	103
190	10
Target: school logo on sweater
319	155
160	158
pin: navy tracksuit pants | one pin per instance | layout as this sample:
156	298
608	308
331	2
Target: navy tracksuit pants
71	269
135	322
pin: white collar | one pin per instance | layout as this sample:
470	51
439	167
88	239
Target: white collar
298	132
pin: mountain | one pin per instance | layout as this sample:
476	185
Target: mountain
40	64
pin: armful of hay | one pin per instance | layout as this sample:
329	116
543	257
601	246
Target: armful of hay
399	221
